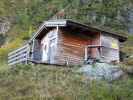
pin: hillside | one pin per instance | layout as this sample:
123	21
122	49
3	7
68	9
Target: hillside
59	83
22	18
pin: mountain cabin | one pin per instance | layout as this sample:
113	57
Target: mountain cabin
64	42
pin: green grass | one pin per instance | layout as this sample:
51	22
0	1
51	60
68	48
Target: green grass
45	82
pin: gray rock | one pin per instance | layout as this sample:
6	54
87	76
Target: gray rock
101	71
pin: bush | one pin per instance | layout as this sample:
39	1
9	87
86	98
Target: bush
7	48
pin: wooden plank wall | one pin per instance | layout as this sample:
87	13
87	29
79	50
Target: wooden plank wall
71	48
95	41
50	42
110	52
36	50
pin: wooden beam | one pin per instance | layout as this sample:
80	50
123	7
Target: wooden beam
93	46
86	53
53	23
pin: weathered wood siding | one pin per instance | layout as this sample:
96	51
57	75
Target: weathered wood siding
95	41
61	47
110	51
49	47
36	50
71	47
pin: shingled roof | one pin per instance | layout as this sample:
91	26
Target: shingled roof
66	23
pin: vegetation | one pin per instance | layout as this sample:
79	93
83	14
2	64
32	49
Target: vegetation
102	13
44	82
40	82
128	49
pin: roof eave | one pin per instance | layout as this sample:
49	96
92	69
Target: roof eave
50	23
66	22
120	37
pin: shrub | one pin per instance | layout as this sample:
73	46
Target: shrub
7	48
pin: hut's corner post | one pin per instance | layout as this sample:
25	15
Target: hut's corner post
86	53
32	49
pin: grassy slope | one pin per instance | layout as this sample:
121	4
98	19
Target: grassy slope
44	82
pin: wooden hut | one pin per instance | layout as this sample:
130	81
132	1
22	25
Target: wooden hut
68	42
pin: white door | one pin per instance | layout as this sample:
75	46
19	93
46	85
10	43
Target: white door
52	51
48	47
45	46
44	52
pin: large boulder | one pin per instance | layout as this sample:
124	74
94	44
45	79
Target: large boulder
101	71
